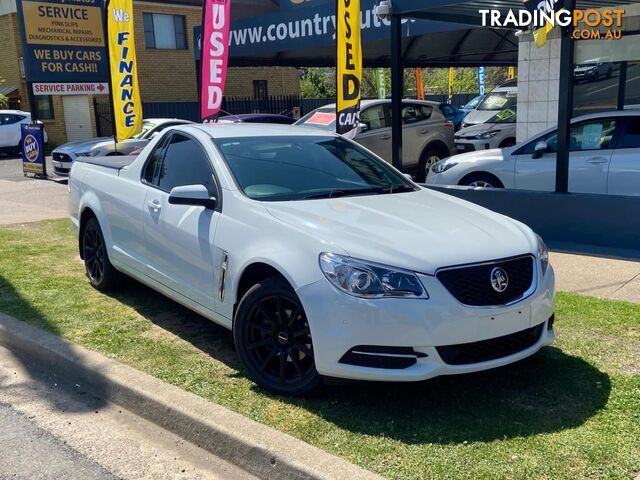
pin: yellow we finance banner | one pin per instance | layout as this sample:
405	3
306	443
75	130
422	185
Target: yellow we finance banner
125	92
349	66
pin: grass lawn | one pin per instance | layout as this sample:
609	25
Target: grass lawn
571	411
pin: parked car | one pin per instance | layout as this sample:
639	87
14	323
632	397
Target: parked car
499	132
10	130
65	155
321	258
453	113
427	136
257	118
603	159
504	97
473	104
593	70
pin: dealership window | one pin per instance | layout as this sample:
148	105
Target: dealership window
260	89
44	107
607	74
164	31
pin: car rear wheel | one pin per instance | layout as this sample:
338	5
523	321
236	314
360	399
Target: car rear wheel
483	180
429	157
101	273
273	339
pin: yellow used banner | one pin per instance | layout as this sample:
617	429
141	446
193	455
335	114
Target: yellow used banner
349	65
125	92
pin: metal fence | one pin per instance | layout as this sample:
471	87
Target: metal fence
294	106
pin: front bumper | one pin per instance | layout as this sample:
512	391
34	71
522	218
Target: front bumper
62	162
341	324
464	145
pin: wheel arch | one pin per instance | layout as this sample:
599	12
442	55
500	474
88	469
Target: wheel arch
85	215
251	274
438	145
500	183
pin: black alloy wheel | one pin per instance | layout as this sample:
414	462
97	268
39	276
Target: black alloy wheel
273	339
101	273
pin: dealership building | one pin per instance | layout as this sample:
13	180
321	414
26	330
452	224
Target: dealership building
164	34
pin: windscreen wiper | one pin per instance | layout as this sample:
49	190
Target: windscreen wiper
341	193
396	189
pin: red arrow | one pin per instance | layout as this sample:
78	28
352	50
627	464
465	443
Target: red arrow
100	87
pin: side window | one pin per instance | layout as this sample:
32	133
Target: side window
185	163
594	135
632	137
10	119
152	167
374	117
426	111
412	114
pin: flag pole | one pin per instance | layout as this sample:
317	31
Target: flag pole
110	83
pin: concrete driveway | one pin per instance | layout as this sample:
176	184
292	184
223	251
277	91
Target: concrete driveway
27	199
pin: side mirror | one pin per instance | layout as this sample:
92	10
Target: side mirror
195	195
540	149
362	127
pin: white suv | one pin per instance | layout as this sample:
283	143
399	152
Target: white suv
10	134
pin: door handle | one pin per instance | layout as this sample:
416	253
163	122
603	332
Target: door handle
154	205
597	160
423	131
386	136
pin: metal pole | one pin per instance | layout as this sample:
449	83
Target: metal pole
397	91
565	106
622	86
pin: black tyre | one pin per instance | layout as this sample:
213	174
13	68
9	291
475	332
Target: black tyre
481	179
102	275
508	142
273	339
429	156
610	73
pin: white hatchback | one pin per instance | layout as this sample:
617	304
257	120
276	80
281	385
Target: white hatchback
603	159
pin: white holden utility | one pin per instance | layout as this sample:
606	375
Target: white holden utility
322	258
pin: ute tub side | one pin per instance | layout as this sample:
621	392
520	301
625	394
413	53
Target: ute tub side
113	161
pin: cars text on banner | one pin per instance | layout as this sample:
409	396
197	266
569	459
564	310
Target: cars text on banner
349	65
125	90
216	18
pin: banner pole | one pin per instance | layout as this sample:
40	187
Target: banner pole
110	83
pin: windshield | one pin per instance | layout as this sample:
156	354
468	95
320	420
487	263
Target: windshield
473	103
499	101
285	168
146	126
324	118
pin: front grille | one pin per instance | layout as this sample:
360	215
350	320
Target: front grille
61	157
471	285
492	349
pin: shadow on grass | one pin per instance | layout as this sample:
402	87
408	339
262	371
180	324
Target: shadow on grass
63	383
548	392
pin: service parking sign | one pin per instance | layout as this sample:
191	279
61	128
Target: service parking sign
32	146
63	40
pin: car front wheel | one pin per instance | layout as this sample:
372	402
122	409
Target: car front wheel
483	180
273	339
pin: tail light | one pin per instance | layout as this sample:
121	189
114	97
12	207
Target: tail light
448	123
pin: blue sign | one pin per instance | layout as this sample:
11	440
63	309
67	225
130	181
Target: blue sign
63	40
481	80
313	24
32	146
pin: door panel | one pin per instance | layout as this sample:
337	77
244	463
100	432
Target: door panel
378	137
179	238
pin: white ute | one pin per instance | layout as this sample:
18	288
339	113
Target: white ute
322	258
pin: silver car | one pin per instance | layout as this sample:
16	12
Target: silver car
65	155
427	136
483	136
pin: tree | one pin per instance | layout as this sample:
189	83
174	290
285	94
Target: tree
317	82
4	101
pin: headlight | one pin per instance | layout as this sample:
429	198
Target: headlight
487	135
543	253
90	153
370	280
441	167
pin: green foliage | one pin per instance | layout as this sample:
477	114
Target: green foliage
317	82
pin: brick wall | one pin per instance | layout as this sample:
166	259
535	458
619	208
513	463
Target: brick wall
10	52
